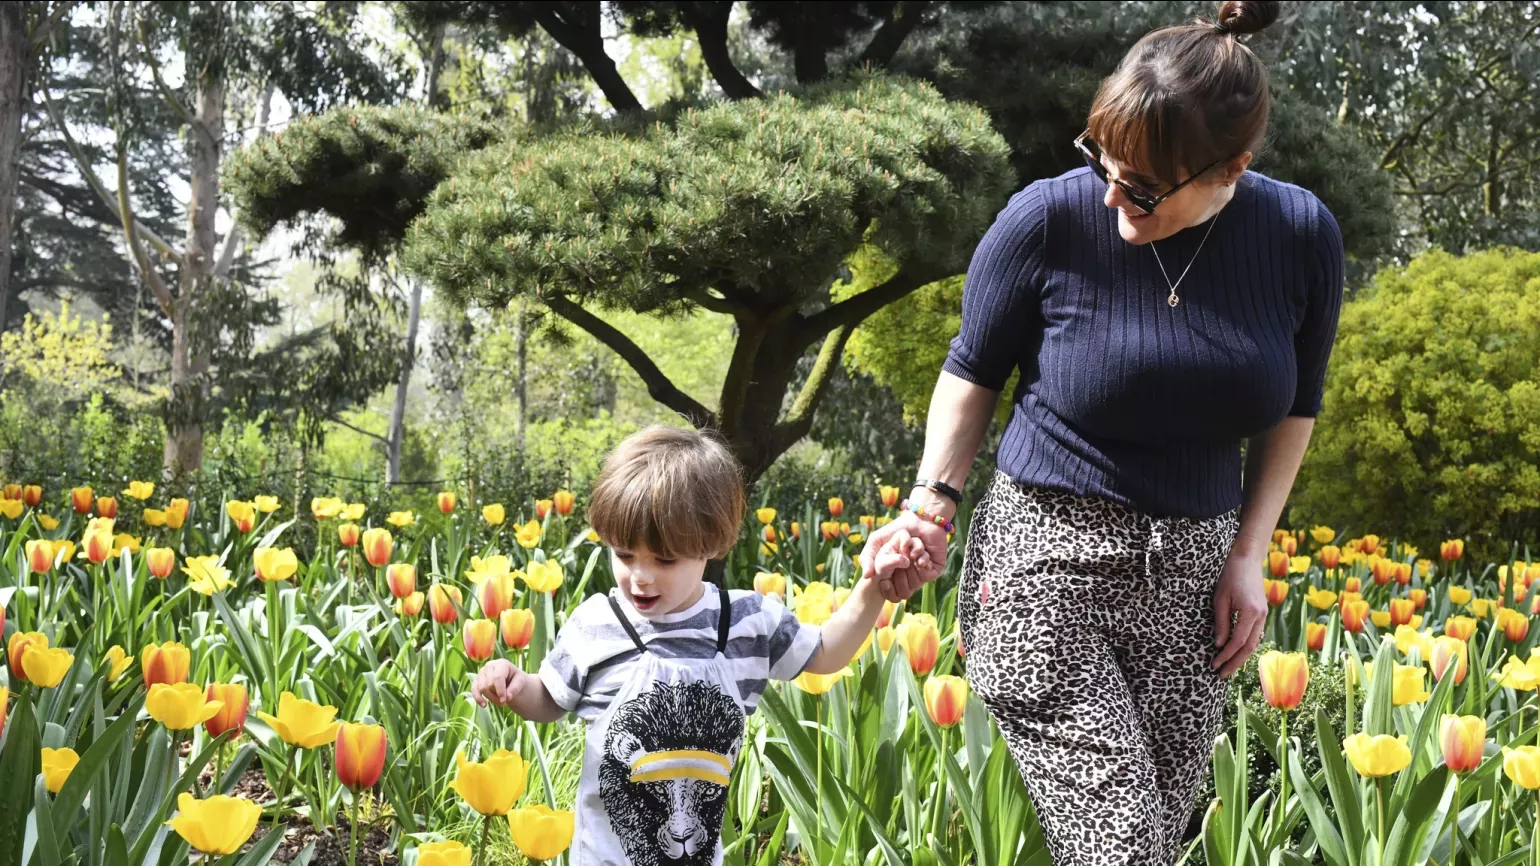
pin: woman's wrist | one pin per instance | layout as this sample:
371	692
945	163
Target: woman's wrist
932	503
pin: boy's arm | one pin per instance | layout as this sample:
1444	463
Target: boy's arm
526	695
844	632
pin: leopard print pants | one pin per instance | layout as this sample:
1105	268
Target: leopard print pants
1089	635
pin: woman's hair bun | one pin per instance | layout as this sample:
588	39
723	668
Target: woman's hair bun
1239	17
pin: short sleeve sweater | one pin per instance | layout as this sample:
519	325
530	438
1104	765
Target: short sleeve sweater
1122	396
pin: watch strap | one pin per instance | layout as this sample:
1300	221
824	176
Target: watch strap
940	487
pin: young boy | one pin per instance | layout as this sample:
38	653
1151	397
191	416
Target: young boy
665	668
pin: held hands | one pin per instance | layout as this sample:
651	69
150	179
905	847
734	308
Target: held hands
500	682
903	556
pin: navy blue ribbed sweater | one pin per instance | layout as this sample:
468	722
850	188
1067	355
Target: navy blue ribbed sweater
1121	396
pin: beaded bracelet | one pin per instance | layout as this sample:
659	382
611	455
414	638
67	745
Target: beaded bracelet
919	512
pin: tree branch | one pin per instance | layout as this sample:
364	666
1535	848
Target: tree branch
799	420
854	310
721	305
584	39
337	419
890	36
168	94
658	385
135	248
40	35
709	20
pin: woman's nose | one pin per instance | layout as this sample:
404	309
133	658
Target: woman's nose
1113	197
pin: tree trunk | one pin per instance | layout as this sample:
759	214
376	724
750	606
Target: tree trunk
521	386
1492	190
710	23
398	410
15	68
190	352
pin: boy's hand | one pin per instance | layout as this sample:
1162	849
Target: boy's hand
902	551
498	680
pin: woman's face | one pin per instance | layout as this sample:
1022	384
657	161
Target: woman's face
1191	205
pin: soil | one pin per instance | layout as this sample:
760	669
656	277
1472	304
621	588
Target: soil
374	849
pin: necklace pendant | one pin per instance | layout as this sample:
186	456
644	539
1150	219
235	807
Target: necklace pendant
1173	299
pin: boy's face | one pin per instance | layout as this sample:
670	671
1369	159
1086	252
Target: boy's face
657	587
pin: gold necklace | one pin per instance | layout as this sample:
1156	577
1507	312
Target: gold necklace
1173	300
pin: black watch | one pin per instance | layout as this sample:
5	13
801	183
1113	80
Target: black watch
942	488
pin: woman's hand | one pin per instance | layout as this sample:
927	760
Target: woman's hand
905	581
1241	596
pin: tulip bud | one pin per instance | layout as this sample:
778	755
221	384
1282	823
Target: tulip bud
81	499
442	601
32	495
1447	649
98	546
768	534
107	506
539	832
377	544
517	625
1289	546
1276	590
1331	556
495	595
921	640
946	697
542	508
1315	636
836	506
348	534
563	500
410	605
40	556
161	561
234	703
402	579
176	513
1352	584
117	662
1515	625
480	639
889	496
1401	610
1284	677
446	501
360	755
167	663
1419	597
1354	613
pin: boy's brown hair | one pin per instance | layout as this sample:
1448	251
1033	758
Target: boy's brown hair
677	492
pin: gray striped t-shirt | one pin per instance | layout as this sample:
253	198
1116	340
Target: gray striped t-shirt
593	653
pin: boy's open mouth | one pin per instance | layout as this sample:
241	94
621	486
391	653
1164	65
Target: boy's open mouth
644	602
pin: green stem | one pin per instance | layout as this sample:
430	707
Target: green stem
481	850
219	766
1535	840
1454	829
818	742
358	797
1379	792
283	786
1283	785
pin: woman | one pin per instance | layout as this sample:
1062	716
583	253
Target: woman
1164	305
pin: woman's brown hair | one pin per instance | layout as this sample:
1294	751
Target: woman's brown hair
1187	97
679	493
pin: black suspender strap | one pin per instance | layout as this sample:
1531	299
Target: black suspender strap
724	621
626	624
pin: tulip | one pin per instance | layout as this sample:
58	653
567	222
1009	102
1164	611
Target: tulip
1377	756
180	706
1369	544
446	501
40	556
360	755
347	534
1461	627
107	506
11	491
1288	545
492	566
98	546
218	825
1407	637
49	524
1323	534
443	854
265	504
539	832
480	639
765	516
401	577
1517	675
205	575
1277	591
1353	615
1462	738
2	623
492	786
442	601
12	508
836	506
1401	610
1522	766
1278	563
1382	569
377	545
123	541
796	529
495	595
1284	677
325	507
1482	607
57	766
45	667
517	626
946	697
885	639
1315	636
1515	625
400	519
1445	650
770	583
1321	599
167	663
1451	550
1353	585
176	513
768	535
5	696
921	640
818	684
1408	685
542	508
301	723
117	662
888	495
81	499
1419	597
20	642
528	535
1331	556
234	703
353	512
562	501
1403	574
493	514
411	605
161	561
274	565
544	576
32	494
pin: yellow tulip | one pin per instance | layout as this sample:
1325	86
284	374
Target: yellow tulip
265	504
1321	599
592	536
123	541
885	639
1380	618
218	825
1299	564
528	535
46	667
492	786
1408	637
542	508
1461	627
117	662
205	575
180	706
1481	607
1380	755
563	500
154	517
303	723
1408	686
161	561
401	518
1459	595
544	576
166	663
1522	766
1517	675
493	514
496	565
274	565
443	854
354	511
325	507
49	524
765	515
1323	534
817	684
242	514
770	583
140	490
1284	678
1462	738
446	501
540	832
377	544
12	508
57	766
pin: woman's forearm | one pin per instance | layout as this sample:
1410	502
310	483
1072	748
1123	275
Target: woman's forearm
960	412
1272	461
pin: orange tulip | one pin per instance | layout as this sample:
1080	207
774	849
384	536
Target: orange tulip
411	605
921	640
1331	556
107	506
1401	611
542	508
231	716
517	626
98	546
81	499
360	755
1463	739
32	495
1515	625
176	513
563	501
1284	677
1382	569
1278	563
836	506
1315	635
946	698
446	501
1277	591
1353	584
1403	573
1460	627
40	556
768	534
377	545
1451	550
1419	597
21	642
1447	649
480	639
889	496
495	595
1354	614
1370	544
1289	545
402	578
167	664
348	534
441	603
796	529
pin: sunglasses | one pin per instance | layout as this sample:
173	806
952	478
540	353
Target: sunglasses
1142	199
